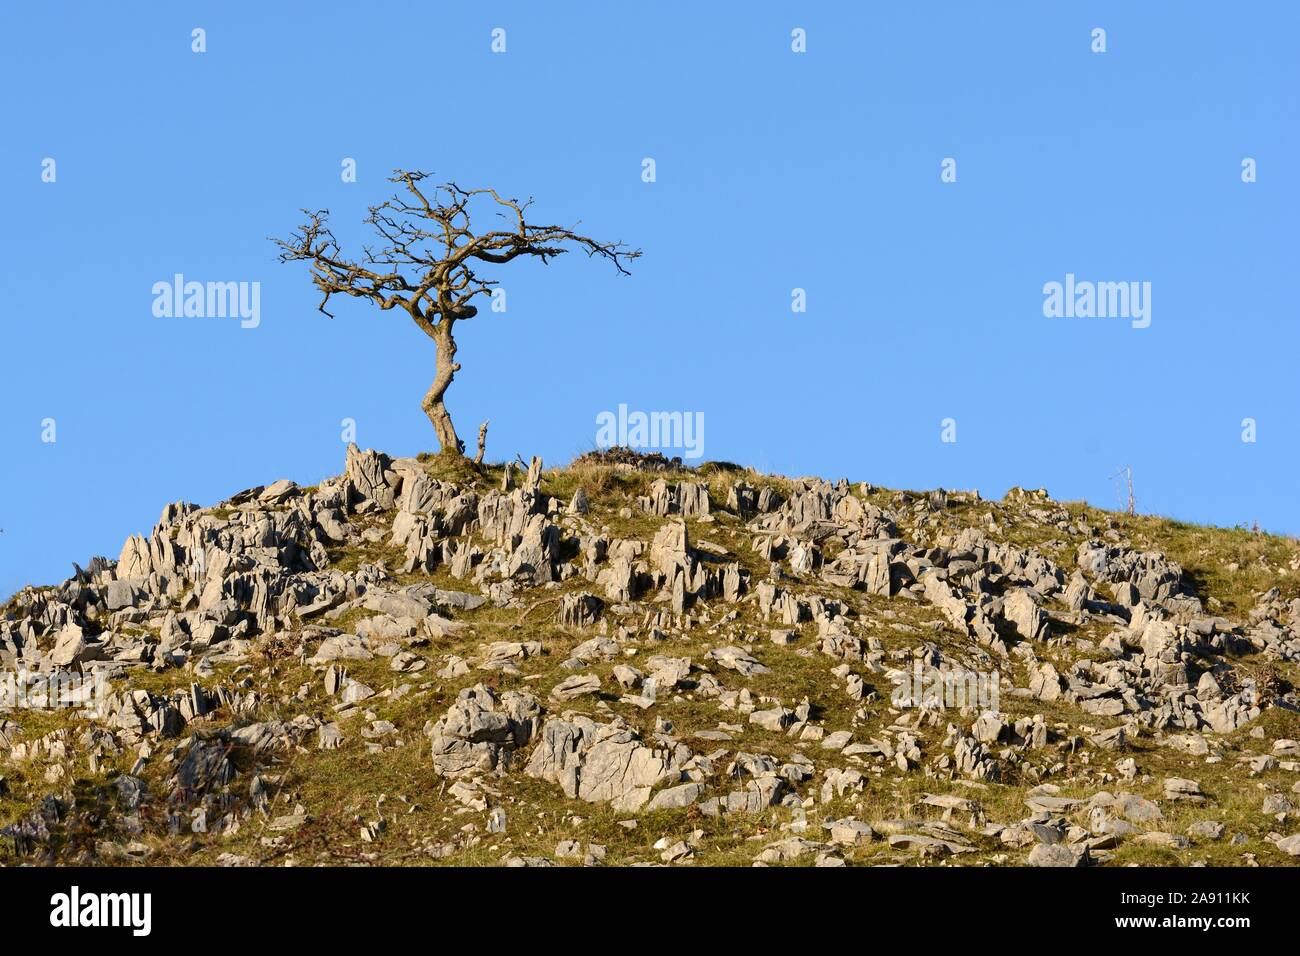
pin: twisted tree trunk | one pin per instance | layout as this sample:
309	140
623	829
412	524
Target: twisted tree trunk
432	404
427	266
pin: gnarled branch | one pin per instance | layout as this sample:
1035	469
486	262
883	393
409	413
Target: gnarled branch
427	258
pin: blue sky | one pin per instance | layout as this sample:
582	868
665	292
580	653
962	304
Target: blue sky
775	170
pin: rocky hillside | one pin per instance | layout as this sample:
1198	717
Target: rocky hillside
623	662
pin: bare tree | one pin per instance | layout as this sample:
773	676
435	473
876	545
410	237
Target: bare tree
427	261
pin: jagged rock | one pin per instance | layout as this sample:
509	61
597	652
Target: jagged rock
1057	854
930	844
1137	809
481	730
571	688
742	499
851	832
502	655
776	719
879	577
342	647
1146	576
598	762
1178	788
579	610
791	848
668	673
72	648
754	797
676	798
838	740
1206	830
354	692
372	476
628	677
619	580
1226	716
1045	683
206	767
737	659
1113	739
670	550
596	649
1028	619
1290	845
686	498
1276	803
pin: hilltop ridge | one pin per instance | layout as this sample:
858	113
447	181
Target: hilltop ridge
628	661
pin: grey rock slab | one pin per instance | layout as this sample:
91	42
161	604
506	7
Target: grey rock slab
837	740
343	647
576	686
1137	809
1290	845
737	659
918	841
1206	829
1055	854
676	798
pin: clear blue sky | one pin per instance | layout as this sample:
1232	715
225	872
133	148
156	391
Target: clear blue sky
775	170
